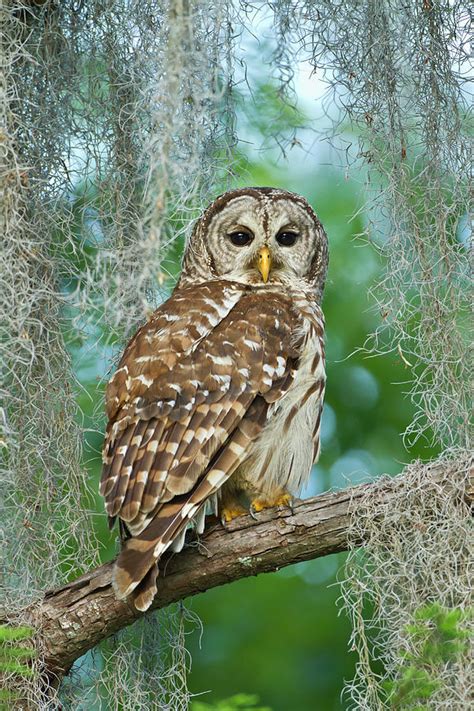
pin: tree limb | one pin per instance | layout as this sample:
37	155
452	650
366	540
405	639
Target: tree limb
74	618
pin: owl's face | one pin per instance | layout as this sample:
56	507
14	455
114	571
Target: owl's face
259	236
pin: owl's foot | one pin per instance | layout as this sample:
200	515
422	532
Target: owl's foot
282	500
231	511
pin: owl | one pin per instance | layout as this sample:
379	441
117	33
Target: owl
216	403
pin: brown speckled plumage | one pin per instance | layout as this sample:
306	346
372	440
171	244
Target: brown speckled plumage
219	395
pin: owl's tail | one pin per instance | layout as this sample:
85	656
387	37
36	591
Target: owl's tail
136	570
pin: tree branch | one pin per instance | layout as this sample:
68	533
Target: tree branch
74	618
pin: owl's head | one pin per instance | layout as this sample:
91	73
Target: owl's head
260	236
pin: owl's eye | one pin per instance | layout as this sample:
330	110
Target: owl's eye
240	239
287	239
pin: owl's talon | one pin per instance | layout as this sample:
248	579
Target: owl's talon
253	513
284	500
258	505
228	513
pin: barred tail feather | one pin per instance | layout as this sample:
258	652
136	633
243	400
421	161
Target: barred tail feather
136	570
145	592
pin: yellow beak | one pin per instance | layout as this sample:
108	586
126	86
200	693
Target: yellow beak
264	263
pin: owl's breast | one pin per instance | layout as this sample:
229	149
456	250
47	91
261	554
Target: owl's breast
288	445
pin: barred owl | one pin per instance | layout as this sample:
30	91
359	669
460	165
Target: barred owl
216	403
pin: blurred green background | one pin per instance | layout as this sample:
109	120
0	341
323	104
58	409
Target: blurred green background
281	637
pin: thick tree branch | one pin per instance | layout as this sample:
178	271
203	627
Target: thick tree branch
76	617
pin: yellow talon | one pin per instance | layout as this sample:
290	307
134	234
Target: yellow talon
228	513
259	505
283	499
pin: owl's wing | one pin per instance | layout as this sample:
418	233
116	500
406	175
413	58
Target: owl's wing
189	396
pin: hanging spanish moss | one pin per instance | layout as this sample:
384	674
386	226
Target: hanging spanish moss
399	72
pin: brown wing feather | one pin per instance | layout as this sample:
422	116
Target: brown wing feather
186	400
144	385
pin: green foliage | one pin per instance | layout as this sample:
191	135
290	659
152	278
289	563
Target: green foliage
436	637
15	634
238	702
14	660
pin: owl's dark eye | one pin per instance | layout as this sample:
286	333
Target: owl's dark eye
240	239
287	239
